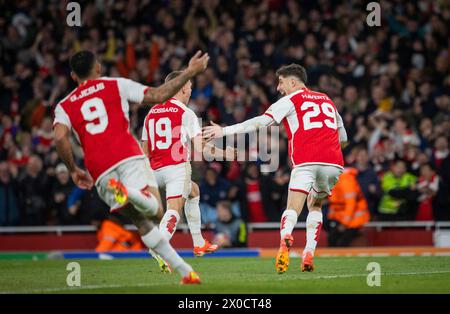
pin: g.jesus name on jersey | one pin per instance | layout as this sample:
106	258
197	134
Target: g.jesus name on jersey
168	128
311	122
98	113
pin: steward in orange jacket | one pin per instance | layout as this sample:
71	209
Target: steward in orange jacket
348	209
112	236
347	204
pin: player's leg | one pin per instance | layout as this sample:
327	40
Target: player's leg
177	181
295	203
163	265
168	225
156	242
193	218
134	185
109	197
299	186
171	218
326	179
313	228
153	190
138	180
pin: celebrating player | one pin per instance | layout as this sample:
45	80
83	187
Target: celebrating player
168	131
97	112
315	131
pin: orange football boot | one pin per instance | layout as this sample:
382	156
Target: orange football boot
282	261
191	279
119	190
207	248
307	262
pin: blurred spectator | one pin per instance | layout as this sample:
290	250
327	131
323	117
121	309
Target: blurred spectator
229	230
212	189
278	187
398	201
402	136
440	151
441	202
43	137
33	189
82	205
61	190
348	210
368	180
255	193
427	186
9	203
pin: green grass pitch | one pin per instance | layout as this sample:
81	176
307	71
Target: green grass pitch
430	274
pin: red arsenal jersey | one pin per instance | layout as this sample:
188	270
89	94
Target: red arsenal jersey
311	123
97	112
168	128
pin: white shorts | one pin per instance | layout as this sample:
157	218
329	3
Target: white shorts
315	179
134	173
175	179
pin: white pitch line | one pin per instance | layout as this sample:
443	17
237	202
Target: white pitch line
87	287
110	286
383	274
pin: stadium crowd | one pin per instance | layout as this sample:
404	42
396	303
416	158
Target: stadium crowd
390	83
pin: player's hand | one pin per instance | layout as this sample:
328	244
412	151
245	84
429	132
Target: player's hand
230	153
198	62
211	132
82	179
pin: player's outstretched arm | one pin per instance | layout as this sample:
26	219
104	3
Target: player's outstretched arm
197	64
216	131
80	177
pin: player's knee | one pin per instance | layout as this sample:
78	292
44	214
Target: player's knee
295	206
143	224
296	200
175	204
151	206
195	191
315	203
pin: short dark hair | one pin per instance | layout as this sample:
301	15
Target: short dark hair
430	165
172	75
293	70
82	63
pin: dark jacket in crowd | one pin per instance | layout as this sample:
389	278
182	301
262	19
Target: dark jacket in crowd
34	195
9	204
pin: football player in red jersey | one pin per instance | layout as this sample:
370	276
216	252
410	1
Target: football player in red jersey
97	112
168	132
315	132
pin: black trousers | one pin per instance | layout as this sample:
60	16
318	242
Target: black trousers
340	238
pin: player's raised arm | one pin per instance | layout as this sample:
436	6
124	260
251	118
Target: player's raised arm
197	64
216	131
